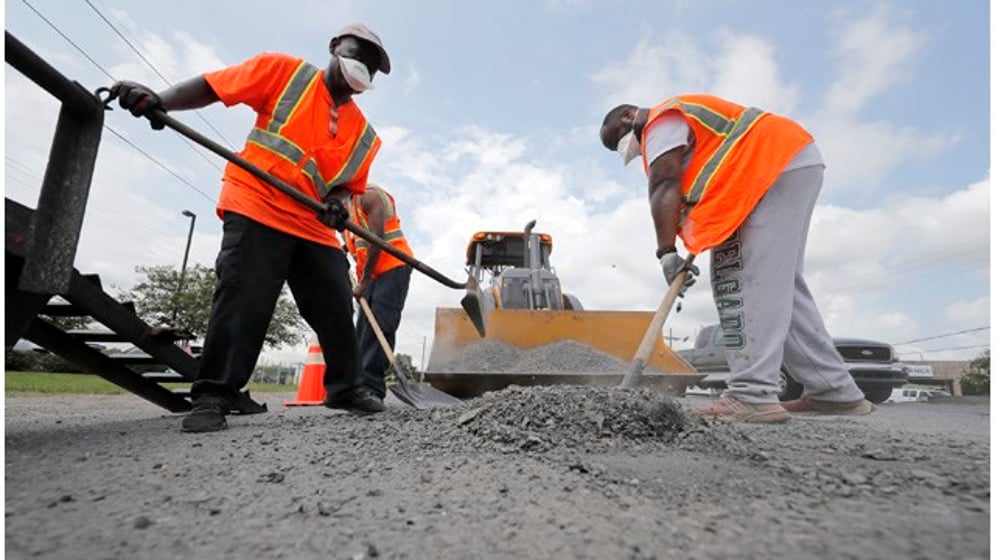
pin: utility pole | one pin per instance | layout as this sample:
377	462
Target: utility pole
422	373
183	268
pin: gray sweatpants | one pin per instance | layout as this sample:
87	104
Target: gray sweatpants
767	313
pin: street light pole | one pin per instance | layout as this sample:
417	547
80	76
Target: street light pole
183	268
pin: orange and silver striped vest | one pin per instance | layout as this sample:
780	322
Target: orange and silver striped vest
738	154
287	130
359	247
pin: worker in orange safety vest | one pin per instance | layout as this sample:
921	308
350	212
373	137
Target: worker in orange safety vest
310	133
383	279
742	183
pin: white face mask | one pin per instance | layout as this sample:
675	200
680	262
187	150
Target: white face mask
628	147
356	74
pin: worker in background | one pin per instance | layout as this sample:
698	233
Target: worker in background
310	133
383	280
742	182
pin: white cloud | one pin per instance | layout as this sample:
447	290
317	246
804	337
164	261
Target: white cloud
872	53
977	311
652	73
412	81
741	67
860	155
746	70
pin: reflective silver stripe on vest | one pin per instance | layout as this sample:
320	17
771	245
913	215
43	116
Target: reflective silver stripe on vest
291	96
708	118
271	139
389	236
356	158
732	129
276	144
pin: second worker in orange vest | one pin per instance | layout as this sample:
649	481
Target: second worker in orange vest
742	182
383	279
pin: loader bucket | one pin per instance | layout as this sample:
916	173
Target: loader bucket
616	333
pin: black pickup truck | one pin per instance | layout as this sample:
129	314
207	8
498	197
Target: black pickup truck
873	365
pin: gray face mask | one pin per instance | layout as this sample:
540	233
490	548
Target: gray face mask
356	74
628	147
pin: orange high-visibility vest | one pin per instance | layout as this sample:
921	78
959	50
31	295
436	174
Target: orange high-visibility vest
738	154
359	247
300	136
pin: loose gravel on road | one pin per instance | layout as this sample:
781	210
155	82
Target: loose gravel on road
538	472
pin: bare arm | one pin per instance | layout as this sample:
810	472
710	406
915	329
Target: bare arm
377	211
665	195
190	94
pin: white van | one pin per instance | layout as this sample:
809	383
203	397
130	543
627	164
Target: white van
915	394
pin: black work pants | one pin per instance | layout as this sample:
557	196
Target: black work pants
251	268
386	296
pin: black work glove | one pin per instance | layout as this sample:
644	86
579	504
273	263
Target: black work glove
138	99
335	215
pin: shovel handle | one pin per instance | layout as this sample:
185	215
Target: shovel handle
642	356
299	196
402	377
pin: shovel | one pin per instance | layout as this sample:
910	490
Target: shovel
418	395
472	302
635	373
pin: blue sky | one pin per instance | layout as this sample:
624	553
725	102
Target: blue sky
490	119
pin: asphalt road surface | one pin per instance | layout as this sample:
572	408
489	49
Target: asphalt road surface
557	473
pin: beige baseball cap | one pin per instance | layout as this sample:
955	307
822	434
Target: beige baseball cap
360	31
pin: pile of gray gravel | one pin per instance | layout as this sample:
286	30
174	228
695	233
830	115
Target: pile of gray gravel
567	416
563	356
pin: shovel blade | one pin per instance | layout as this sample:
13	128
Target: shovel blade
473	304
423	395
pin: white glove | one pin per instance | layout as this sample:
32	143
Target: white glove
672	264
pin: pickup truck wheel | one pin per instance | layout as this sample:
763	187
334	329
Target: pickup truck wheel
790	389
877	395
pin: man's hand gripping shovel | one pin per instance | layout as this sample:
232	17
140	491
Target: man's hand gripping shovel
634	375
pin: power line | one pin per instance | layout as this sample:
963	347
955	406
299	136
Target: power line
116	214
945	349
160	164
125	39
70	41
152	66
209	161
944	335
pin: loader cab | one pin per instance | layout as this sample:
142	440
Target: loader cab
517	263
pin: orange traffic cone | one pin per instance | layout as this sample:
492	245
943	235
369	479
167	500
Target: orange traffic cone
311	389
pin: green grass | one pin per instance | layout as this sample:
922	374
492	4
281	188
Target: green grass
26	383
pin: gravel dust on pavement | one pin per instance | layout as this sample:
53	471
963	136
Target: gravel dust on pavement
539	472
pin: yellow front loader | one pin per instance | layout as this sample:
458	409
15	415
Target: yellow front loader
526	308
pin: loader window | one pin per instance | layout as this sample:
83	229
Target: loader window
505	252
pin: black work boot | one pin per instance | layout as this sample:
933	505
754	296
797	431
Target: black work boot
358	401
206	416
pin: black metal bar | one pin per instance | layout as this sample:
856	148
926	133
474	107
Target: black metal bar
94	361
107	310
57	222
96	336
54	233
102	307
21	306
165	378
71	93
